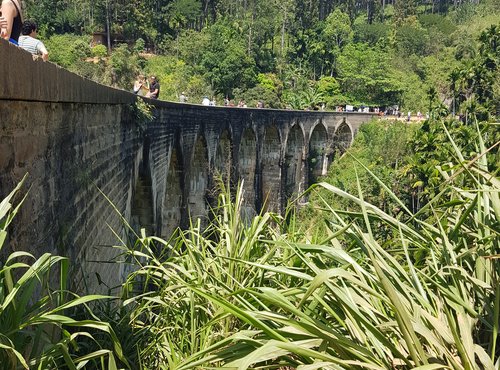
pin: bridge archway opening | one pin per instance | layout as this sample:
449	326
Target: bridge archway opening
247	163
271	173
293	162
343	137
172	202
317	158
198	182
223	165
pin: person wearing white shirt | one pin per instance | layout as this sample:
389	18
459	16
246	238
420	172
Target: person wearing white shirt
29	42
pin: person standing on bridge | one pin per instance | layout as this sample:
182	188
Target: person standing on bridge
154	88
11	22
140	86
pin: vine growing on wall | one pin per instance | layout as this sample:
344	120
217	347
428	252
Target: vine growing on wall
142	113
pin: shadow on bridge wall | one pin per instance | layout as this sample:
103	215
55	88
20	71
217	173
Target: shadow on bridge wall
77	138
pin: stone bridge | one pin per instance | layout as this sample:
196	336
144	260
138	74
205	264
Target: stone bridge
76	139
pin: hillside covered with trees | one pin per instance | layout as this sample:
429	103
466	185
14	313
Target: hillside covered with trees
288	53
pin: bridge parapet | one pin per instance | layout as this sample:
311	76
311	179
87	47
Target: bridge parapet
74	136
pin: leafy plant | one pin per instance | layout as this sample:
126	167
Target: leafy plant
142	112
178	321
310	98
75	48
263	296
36	327
100	51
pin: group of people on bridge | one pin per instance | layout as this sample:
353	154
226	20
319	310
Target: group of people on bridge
148	89
151	89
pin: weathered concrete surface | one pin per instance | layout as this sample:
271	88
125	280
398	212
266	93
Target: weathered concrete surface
74	137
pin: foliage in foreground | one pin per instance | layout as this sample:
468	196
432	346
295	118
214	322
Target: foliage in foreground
262	296
178	320
37	330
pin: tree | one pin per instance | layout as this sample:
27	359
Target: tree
371	33
404	9
366	76
122	67
189	45
286	9
182	12
336	35
411	38
225	60
475	83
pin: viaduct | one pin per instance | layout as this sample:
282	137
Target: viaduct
74	137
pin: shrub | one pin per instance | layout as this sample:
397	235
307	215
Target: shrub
122	67
99	51
258	93
66	49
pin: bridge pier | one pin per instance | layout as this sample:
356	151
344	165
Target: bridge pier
270	170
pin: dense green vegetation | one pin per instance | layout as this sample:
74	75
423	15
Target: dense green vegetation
393	265
287	53
410	159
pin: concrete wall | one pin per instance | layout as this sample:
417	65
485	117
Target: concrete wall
71	136
76	138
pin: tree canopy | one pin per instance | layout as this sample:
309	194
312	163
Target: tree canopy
380	53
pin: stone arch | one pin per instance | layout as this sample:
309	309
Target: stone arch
247	162
317	159
343	136
271	173
198	181
223	165
171	210
293	162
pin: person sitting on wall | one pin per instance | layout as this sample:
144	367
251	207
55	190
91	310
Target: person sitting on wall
154	88
30	43
11	22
